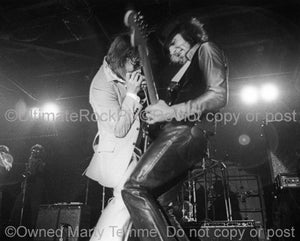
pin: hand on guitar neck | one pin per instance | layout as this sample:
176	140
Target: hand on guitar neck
159	112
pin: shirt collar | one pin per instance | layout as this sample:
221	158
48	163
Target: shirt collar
111	76
192	51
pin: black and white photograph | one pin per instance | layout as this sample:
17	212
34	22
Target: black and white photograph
149	120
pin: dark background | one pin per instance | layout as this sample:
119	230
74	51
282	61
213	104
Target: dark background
50	50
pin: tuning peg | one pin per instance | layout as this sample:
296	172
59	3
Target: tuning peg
141	23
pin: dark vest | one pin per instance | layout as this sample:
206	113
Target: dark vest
191	85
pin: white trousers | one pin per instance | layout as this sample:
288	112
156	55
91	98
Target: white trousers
114	223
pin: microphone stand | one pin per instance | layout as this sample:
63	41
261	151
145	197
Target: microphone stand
26	174
205	163
86	191
226	192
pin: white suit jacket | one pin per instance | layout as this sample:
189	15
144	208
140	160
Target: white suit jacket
118	127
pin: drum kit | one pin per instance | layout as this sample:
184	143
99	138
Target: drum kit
200	185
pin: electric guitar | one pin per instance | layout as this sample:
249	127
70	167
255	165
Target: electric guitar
135	22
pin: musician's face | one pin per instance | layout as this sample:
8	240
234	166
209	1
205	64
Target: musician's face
178	49
36	153
130	66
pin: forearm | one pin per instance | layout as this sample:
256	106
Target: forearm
129	111
118	119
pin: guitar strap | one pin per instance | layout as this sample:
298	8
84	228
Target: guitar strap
181	72
177	77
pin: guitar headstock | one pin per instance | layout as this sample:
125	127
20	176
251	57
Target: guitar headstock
138	28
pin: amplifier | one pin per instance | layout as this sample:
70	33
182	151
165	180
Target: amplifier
287	180
63	221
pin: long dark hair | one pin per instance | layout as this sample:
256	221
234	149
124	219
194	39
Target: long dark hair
119	51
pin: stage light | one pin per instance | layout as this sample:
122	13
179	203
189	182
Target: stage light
49	111
244	140
51	108
249	95
269	92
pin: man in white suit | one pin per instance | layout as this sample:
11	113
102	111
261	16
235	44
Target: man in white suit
113	96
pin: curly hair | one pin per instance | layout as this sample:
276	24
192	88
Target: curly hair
120	51
191	30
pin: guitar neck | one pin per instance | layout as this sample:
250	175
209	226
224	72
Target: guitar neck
151	88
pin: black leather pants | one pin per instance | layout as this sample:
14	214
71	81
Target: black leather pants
167	160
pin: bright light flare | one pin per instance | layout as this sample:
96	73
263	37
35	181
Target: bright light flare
49	112
249	95
269	92
50	108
